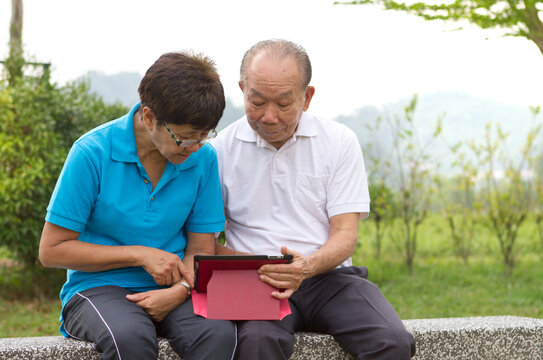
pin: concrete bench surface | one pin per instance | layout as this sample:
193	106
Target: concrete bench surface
492	338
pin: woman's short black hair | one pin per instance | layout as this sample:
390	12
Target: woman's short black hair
184	88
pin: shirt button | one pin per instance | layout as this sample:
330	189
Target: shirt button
153	198
146	181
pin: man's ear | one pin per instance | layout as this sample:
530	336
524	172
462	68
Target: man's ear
240	83
309	92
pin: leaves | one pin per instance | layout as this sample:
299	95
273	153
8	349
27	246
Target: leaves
507	194
401	182
38	123
516	18
490	187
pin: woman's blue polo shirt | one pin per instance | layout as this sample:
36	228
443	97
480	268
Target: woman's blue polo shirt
104	193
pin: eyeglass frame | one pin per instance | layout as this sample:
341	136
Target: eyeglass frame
187	143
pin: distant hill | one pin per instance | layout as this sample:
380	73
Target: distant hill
464	116
123	87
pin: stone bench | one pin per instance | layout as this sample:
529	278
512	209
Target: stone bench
496	337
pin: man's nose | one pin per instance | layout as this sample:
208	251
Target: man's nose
270	115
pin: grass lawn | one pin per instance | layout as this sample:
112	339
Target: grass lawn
445	287
441	285
23	312
29	317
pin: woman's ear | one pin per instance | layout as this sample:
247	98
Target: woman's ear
148	117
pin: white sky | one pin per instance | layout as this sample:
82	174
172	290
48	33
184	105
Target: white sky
361	55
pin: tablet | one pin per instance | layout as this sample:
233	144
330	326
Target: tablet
205	264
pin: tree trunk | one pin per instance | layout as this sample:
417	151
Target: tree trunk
535	25
539	43
15	61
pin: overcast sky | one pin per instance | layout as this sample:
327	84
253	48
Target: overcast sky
361	55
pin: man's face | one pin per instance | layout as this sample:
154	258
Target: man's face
274	99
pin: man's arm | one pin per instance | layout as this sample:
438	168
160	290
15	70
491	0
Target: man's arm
339	247
223	250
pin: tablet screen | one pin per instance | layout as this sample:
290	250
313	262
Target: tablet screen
204	265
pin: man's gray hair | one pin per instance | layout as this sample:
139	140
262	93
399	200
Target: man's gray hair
281	49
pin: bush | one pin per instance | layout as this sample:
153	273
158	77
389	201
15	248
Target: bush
38	123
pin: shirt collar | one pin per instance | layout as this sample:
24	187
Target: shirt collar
306	128
124	140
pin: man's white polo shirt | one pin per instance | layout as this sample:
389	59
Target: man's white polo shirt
285	197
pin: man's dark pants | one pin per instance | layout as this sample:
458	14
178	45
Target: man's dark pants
342	303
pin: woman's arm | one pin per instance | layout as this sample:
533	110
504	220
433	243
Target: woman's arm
61	248
197	244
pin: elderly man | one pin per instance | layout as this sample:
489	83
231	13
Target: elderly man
294	183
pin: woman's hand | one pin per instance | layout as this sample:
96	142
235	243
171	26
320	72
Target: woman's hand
165	268
159	303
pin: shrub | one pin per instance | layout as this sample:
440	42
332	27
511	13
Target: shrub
38	123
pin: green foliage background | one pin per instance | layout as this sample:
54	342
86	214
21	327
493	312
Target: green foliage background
38	123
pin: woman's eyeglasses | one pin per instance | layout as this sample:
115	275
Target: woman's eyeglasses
187	143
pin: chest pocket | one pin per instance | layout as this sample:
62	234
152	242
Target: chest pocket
310	192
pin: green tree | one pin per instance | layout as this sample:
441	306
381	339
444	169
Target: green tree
516	17
461	207
539	209
538	189
415	178
31	158
383	209
38	123
507	199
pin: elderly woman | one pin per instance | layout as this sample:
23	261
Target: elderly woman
136	199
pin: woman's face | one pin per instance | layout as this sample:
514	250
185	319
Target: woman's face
170	150
164	137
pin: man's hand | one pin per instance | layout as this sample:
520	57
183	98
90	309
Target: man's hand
286	276
165	268
159	303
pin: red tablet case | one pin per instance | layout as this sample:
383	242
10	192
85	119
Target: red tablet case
230	289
